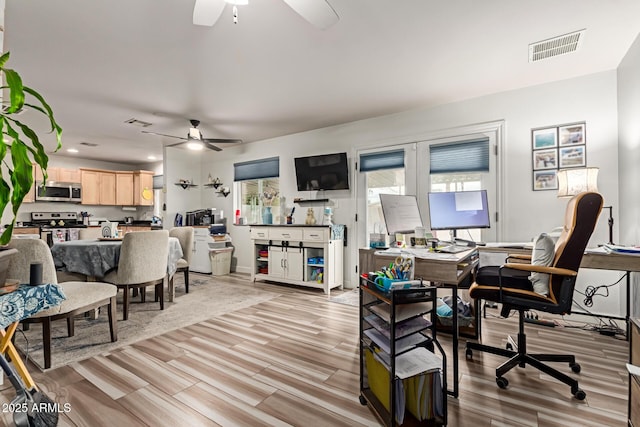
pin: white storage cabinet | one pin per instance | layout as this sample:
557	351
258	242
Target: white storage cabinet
297	255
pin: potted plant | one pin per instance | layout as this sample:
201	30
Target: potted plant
24	145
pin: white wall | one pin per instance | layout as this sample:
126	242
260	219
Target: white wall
181	164
629	155
590	98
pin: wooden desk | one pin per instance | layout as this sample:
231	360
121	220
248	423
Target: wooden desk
447	270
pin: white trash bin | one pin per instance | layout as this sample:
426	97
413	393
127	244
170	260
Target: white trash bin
220	261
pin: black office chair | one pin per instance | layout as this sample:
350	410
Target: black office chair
509	285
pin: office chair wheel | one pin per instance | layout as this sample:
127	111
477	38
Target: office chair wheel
580	395
502	382
363	401
509	346
575	367
469	354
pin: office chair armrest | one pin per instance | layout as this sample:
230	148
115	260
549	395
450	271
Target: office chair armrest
518	258
541	269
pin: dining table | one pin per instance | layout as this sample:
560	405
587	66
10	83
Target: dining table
95	258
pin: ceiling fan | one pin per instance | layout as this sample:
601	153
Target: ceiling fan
318	12
195	141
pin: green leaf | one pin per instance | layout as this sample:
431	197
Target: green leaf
3	59
16	90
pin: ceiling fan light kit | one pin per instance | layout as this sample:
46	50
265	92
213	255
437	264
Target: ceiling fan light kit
194	139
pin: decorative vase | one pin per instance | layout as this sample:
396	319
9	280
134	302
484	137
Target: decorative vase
267	216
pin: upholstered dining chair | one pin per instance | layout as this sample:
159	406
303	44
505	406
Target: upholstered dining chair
142	263
545	284
185	235
81	297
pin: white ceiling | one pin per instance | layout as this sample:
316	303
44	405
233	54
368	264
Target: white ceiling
101	62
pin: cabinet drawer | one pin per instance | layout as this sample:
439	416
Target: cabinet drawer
316	235
261	233
285	233
634	402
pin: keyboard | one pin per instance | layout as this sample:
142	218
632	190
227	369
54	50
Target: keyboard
453	249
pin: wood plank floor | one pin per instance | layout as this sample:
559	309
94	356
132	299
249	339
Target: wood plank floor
294	361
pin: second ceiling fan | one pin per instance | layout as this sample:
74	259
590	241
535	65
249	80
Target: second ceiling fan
318	12
194	139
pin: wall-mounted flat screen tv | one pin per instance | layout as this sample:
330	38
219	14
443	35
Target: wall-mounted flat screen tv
323	172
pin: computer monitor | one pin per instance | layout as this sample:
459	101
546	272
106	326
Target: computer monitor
457	210
401	213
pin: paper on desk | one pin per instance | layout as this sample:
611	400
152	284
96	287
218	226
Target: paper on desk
633	369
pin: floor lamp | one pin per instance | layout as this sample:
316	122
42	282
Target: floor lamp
576	180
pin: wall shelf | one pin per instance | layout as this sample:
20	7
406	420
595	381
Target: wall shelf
309	201
185	185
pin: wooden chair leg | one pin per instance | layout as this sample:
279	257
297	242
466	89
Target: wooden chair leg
160	291
113	327
172	289
186	280
125	303
46	341
71	330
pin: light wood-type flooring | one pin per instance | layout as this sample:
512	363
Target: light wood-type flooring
293	360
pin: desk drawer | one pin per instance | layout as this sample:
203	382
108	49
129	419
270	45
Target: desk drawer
285	233
316	235
259	233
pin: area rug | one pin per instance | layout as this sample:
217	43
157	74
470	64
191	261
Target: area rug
351	297
208	296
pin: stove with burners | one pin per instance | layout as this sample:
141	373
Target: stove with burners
50	220
57	227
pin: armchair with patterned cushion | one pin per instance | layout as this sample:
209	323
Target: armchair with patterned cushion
517	286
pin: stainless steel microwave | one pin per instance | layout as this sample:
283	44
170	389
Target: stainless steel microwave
52	191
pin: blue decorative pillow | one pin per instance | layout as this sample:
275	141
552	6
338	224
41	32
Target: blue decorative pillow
543	253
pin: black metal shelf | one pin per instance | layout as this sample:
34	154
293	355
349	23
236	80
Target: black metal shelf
308	201
185	185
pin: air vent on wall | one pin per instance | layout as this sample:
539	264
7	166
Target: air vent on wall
555	46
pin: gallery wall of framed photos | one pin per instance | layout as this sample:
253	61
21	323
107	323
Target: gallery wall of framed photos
554	148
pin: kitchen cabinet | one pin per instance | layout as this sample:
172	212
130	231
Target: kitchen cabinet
124	188
299	255
59	174
143	188
98	187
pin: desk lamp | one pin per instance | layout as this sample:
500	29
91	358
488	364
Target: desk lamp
576	180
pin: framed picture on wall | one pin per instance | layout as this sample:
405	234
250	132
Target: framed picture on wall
544	138
573	134
545	180
573	156
545	159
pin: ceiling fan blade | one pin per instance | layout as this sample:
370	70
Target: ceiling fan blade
207	12
175	144
222	140
318	12
210	146
163	134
